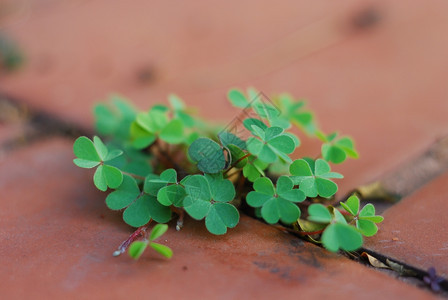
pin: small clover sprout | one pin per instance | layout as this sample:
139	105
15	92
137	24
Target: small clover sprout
137	248
313	177
365	219
277	203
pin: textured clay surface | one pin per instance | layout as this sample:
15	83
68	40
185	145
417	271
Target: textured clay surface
414	230
383	84
58	238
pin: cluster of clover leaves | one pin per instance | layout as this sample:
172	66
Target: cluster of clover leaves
166	161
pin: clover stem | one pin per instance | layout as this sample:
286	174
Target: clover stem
162	155
167	158
139	233
181	214
241	182
236	172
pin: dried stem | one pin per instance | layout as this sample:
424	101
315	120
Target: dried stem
136	235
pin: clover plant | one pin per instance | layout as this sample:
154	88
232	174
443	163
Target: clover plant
165	162
137	248
11	57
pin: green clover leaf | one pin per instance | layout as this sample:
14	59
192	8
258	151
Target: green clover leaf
276	202
341	236
338	234
319	213
263	109
313	177
154	120
148	126
137	248
336	149
254	168
115	118
154	183
237	98
173	132
162	249
141	138
238	157
139	207
208	197
227	138
270	143
234	146
107	176
180	111
208	155
94	154
249	122
172	195
132	161
366	218
294	112
267	111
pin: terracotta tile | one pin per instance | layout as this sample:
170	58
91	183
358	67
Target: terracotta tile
385	86
414	230
58	237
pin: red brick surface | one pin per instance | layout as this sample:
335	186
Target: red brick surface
415	230
58	237
385	86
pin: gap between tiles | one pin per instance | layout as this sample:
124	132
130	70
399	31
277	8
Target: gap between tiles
22	125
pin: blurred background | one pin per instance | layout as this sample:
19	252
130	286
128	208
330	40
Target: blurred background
375	70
